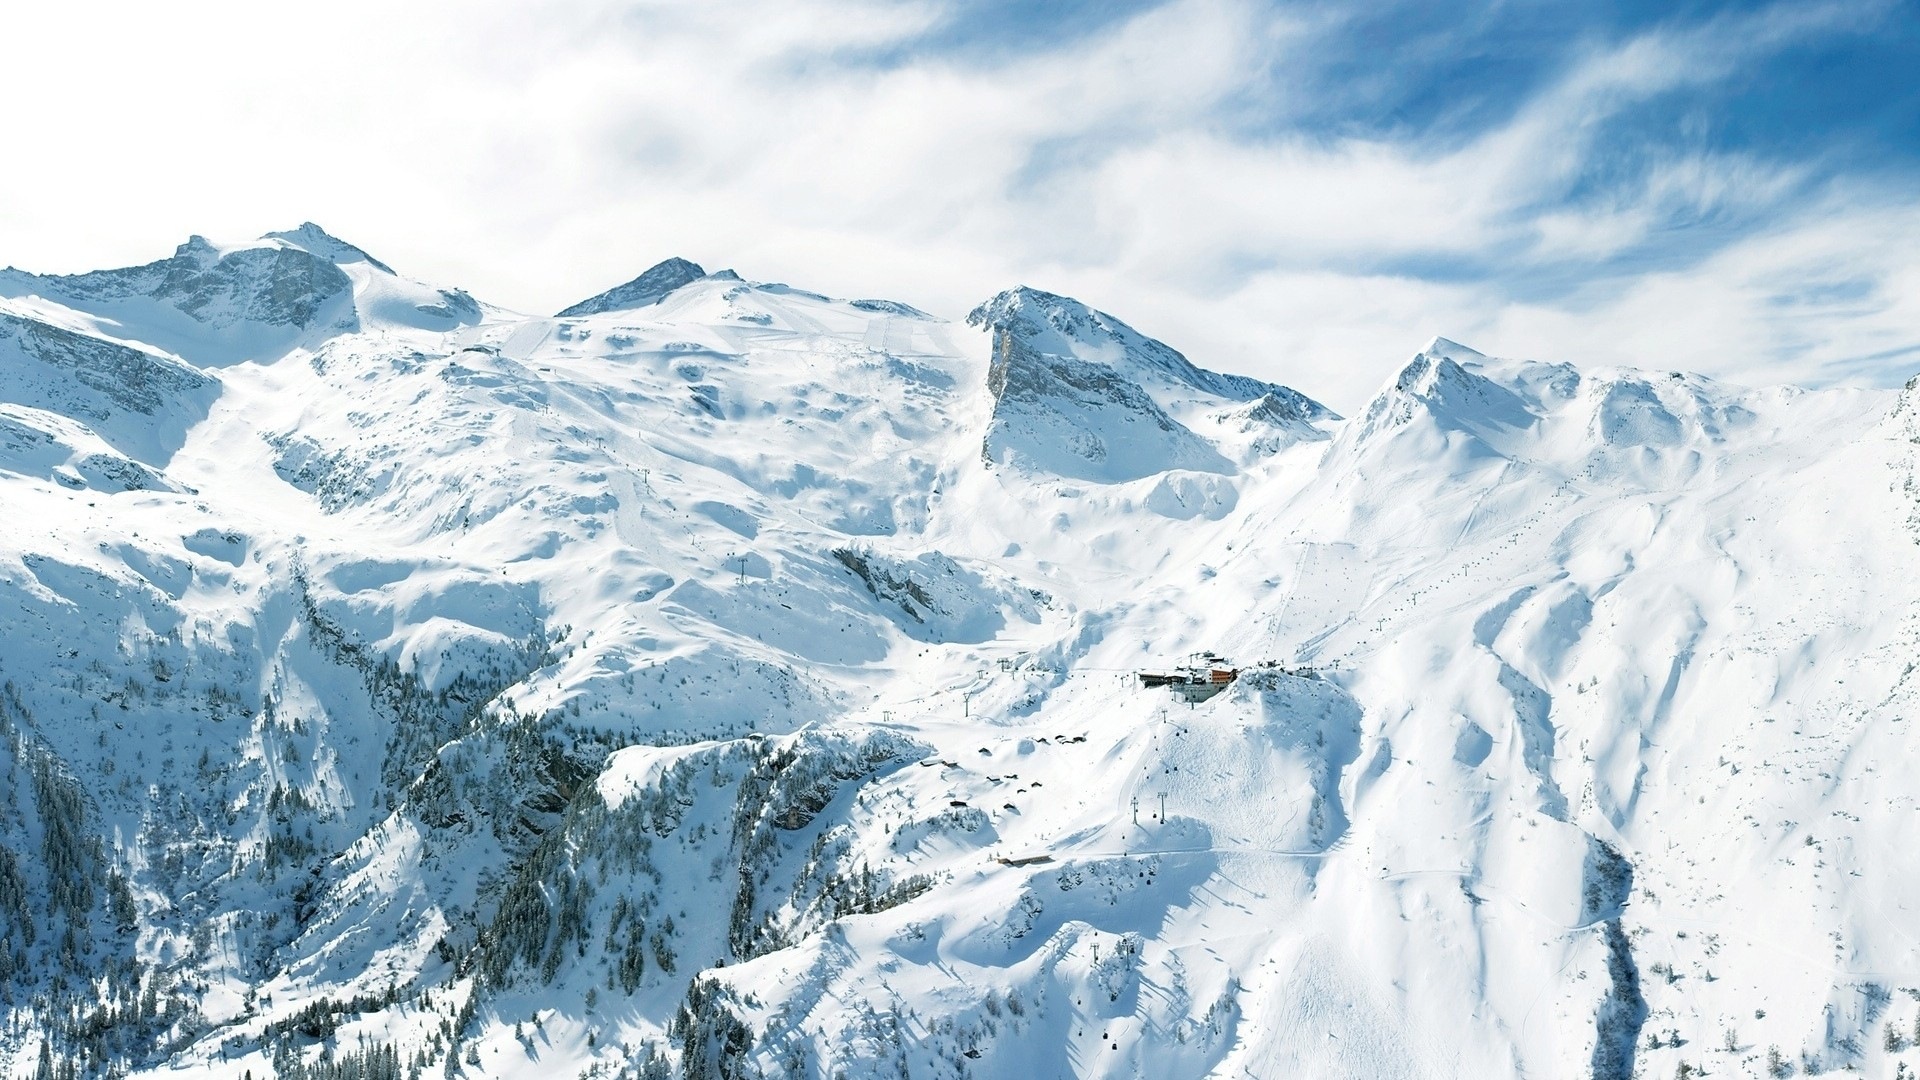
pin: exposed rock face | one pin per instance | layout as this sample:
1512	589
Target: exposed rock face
1058	324
274	286
1082	395
215	305
122	376
1279	418
1082	420
137	401
649	288
889	307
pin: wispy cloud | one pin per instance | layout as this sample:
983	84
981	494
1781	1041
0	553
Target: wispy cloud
1303	191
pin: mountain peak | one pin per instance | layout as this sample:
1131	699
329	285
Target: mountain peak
1452	350
1451	384
1054	325
290	280
1080	394
649	288
317	241
197	248
998	310
1029	312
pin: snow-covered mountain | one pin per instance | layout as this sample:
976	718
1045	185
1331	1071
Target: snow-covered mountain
719	679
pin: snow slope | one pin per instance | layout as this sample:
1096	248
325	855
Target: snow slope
721	679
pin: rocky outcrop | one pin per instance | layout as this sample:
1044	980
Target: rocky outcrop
139	402
273	285
649	288
1067	400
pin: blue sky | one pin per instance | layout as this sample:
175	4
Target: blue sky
1302	191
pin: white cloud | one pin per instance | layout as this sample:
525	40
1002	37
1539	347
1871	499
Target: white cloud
537	154
1826	296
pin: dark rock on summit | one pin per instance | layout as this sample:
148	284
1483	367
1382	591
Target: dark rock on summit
274	286
649	288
